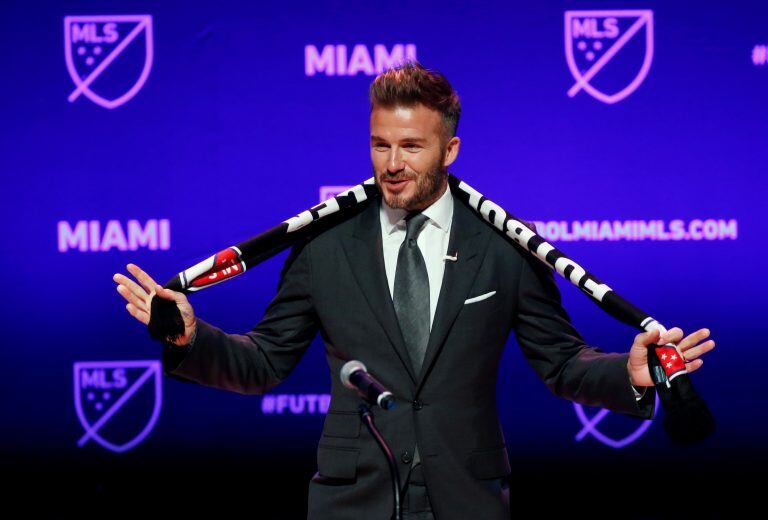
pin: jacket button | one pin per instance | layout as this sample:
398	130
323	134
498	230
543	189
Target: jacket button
406	457
417	404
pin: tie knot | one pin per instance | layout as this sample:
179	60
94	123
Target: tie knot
414	223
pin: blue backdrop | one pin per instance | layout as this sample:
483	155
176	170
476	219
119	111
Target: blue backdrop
246	110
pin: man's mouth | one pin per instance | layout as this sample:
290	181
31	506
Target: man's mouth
396	185
396	181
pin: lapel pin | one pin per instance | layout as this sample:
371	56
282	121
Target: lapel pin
453	258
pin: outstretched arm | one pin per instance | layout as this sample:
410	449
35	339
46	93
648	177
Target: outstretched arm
257	361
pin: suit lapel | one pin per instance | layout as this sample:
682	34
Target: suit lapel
469	237
365	253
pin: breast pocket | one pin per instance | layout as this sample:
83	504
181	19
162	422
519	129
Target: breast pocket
482	309
479	297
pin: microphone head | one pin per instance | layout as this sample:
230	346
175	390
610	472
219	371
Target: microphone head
349	368
386	401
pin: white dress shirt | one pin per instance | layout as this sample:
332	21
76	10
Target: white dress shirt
433	243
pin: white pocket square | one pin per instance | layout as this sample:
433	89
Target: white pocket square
479	298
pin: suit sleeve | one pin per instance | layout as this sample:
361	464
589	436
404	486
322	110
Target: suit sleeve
257	361
557	352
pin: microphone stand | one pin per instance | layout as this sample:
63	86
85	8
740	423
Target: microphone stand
367	417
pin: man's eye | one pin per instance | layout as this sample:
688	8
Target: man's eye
380	147
412	147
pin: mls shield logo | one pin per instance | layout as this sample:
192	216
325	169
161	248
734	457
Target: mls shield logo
117	402
609	52
590	426
108	57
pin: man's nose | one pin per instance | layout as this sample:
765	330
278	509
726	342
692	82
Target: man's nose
395	162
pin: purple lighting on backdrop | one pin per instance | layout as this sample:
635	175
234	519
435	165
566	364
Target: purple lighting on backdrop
165	132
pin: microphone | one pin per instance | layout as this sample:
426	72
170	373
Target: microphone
354	375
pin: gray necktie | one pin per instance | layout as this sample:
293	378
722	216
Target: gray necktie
411	297
411	292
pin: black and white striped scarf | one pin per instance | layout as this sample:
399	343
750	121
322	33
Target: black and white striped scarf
688	419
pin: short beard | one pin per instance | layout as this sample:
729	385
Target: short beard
428	188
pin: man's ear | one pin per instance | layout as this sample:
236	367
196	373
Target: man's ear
452	150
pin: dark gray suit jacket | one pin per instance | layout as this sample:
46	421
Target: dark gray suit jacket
335	283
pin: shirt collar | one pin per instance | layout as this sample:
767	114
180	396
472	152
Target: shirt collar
439	212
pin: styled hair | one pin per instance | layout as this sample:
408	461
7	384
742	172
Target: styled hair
410	84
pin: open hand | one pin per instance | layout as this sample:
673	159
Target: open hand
690	347
139	297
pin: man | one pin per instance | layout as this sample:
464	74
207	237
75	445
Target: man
424	293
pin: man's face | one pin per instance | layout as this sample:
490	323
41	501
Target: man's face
410	155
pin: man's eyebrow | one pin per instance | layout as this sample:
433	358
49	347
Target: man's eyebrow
404	140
